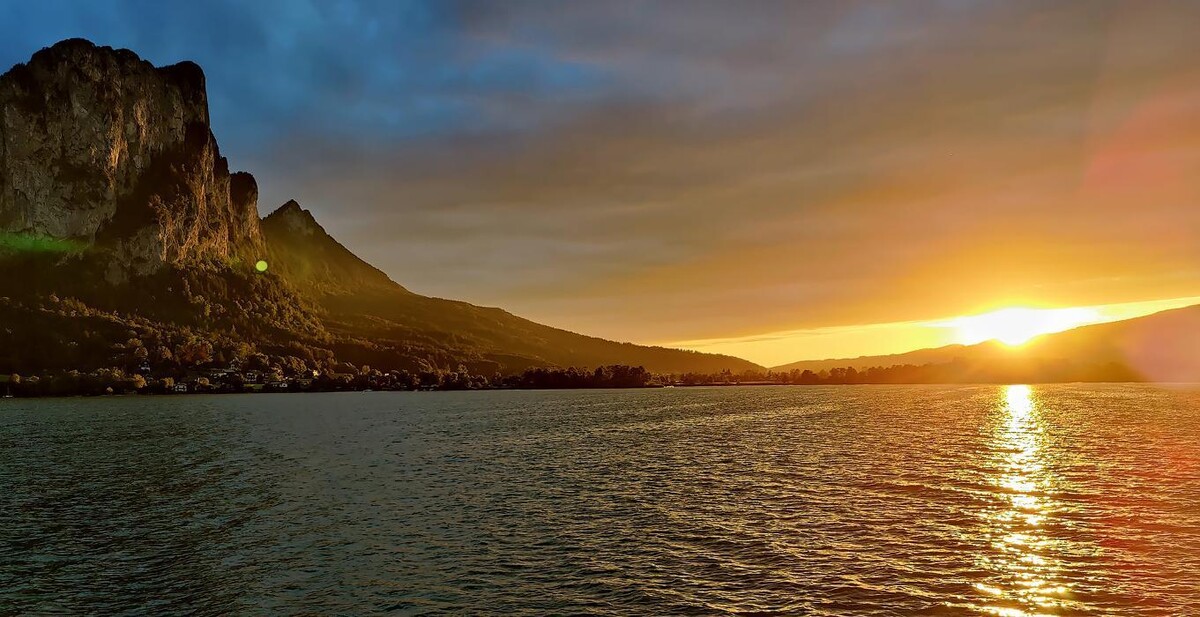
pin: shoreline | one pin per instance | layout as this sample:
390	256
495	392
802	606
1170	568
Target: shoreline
250	391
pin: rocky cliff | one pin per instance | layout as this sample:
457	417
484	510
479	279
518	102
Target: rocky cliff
122	231
100	146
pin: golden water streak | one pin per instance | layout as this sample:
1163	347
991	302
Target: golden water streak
1023	570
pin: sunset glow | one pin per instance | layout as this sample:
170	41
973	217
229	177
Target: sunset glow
1010	325
648	307
1014	326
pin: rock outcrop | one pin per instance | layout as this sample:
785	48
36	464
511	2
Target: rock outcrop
308	257
115	201
100	146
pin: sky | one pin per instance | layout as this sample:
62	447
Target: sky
796	179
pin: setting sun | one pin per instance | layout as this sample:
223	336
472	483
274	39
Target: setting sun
621	308
1015	326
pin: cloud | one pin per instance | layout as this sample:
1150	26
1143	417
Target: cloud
671	170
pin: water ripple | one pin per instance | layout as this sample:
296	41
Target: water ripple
1010	501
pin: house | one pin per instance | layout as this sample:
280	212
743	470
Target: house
221	374
252	377
181	388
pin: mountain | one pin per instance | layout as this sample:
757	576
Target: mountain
933	355
99	146
359	300
125	240
1161	347
300	250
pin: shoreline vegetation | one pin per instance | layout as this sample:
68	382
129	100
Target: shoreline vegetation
261	375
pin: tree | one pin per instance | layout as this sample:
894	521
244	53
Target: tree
162	355
258	362
195	351
292	365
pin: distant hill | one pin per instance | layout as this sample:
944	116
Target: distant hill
1161	347
933	355
126	241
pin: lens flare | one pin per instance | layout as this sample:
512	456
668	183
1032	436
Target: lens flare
261	266
37	243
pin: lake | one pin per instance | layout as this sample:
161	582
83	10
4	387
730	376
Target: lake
856	500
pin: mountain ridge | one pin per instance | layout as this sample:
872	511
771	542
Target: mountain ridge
291	231
1157	347
122	229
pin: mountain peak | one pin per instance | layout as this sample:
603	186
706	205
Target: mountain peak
100	62
103	153
296	219
101	147
78	51
309	257
290	206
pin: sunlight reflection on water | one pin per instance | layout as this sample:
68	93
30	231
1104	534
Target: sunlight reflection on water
1022	562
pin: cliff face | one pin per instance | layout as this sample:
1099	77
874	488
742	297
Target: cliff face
116	202
100	146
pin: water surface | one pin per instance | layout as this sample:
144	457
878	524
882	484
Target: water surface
929	500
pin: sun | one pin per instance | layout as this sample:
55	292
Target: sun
1017	325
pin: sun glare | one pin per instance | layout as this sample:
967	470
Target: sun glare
1015	326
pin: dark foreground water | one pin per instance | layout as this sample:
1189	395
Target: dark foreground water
1011	500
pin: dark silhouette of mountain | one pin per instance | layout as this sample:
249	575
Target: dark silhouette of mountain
126	241
933	355
1163	347
299	250
358	299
